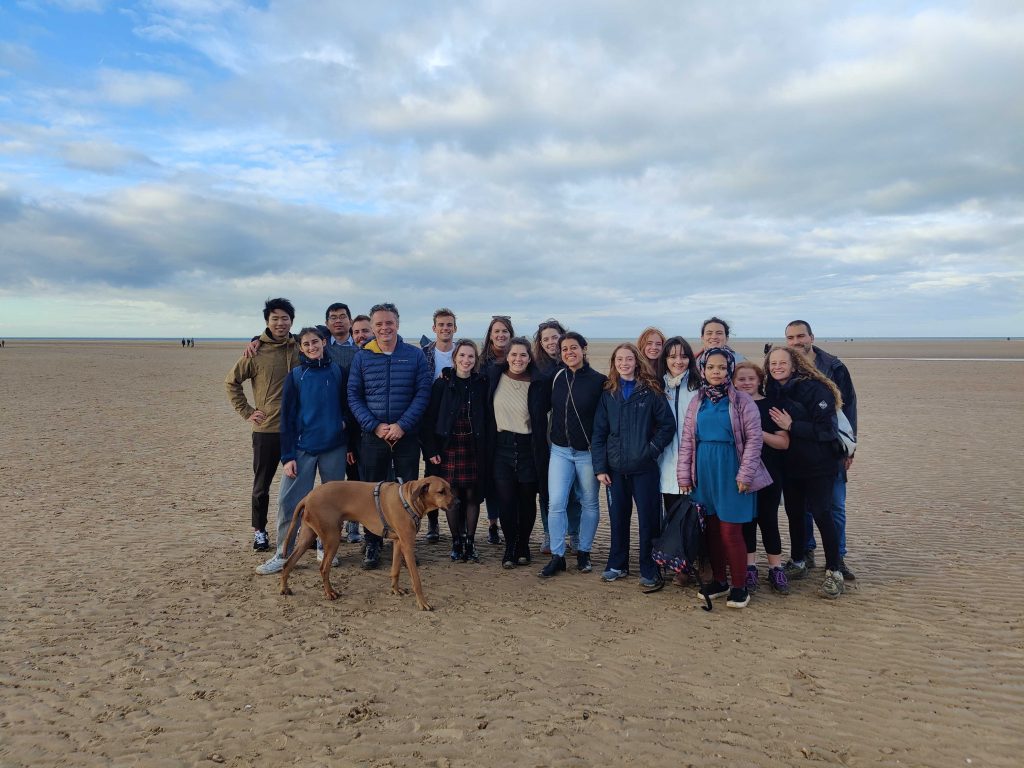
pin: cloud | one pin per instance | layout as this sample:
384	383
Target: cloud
134	88
102	157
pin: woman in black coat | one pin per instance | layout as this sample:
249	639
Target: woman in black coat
808	414
454	442
517	446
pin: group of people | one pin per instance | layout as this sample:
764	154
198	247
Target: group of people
517	424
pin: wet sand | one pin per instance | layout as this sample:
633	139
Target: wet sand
135	631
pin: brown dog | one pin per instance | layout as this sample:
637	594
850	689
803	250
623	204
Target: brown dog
325	510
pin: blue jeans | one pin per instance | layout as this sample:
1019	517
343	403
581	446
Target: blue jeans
572	509
838	516
568	467
293	489
645	489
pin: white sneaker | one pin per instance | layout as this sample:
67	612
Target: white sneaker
273	565
335	561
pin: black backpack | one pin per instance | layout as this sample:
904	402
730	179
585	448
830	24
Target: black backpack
682	546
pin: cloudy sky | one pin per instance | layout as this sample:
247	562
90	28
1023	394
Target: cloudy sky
166	165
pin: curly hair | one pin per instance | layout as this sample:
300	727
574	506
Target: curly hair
657	367
804	369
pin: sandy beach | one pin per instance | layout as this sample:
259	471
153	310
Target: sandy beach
135	631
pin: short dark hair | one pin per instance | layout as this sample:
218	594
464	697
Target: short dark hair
804	323
274	304
444	312
385	306
357	318
715	319
308	330
575	336
335	307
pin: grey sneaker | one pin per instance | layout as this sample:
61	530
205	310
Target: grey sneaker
335	561
353	533
273	565
611	574
809	559
794	570
647	583
833	586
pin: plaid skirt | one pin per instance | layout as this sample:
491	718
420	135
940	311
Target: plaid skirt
459	462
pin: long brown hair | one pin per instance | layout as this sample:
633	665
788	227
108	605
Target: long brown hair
804	369
657	367
643	374
488	354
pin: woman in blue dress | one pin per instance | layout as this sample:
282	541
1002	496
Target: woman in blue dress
720	466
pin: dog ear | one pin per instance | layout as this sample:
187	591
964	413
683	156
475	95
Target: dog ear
422	489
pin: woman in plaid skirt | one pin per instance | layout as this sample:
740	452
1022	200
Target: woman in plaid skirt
453	439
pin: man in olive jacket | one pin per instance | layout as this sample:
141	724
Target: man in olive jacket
266	370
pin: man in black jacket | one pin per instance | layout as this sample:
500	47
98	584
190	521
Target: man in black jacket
800	337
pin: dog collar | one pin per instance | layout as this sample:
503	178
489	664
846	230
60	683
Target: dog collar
408	508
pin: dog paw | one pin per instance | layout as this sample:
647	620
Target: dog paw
287	591
426	606
332	595
399	591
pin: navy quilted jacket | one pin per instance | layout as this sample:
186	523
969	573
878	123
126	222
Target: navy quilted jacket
389	389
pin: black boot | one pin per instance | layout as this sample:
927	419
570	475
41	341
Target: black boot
433	531
555	564
508	560
456	553
469	552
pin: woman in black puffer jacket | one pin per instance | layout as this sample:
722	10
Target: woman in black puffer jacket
632	426
810	402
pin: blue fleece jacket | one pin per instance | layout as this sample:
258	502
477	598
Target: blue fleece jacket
313	409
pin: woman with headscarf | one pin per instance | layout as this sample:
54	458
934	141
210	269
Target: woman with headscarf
720	466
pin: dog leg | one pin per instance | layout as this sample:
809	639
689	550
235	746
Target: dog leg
414	574
302	541
396	567
331	543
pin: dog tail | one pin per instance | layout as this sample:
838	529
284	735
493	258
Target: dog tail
296	519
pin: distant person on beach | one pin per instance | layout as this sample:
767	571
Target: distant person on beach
632	426
575	392
454	437
808	414
362	332
800	338
388	392
548	360
182	343
651	343
313	435
439	356
749	377
278	354
720	465
714	334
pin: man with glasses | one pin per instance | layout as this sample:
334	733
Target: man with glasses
388	391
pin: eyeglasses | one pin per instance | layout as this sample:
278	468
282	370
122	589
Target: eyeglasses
341	316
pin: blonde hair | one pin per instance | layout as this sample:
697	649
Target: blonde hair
803	369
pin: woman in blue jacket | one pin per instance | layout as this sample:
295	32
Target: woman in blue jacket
632	426
314	413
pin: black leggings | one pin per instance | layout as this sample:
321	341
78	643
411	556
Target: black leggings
813	495
767	520
464	513
518	504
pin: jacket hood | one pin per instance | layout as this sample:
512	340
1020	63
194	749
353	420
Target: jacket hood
267	338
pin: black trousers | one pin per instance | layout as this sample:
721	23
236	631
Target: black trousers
811	495
515	487
377	459
767	520
266	457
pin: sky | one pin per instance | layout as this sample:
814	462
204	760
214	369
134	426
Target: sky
167	165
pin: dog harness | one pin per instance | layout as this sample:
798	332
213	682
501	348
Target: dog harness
408	508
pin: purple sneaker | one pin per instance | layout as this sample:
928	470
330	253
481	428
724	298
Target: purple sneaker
777	581
752	576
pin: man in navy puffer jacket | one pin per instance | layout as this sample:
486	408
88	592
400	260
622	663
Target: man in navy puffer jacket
388	391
